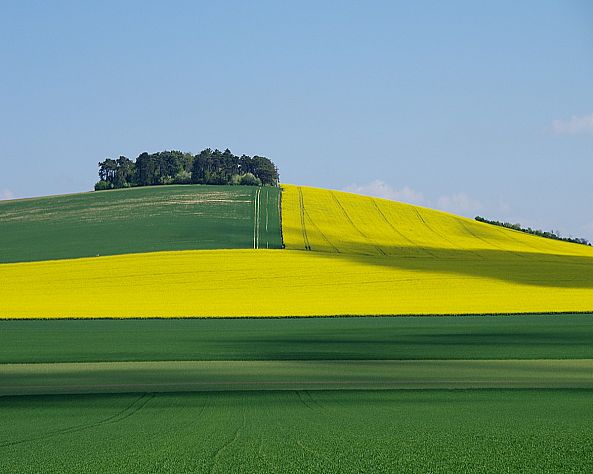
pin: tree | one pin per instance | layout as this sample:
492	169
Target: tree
124	173
265	170
146	170
167	167
199	171
229	165
102	185
107	170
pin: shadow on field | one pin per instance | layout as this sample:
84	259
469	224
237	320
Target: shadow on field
540	269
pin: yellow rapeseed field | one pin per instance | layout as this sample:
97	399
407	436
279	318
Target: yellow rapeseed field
346	254
333	221
288	283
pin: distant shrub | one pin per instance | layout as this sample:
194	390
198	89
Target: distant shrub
554	235
249	179
166	179
102	185
183	177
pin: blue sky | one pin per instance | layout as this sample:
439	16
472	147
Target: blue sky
472	107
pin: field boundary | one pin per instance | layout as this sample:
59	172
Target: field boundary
280	190
312	316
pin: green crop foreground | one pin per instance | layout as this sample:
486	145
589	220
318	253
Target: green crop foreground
404	394
543	431
147	219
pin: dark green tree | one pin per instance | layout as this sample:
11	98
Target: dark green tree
146	170
265	170
168	167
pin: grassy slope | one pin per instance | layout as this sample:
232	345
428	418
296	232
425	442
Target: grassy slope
137	220
390	338
539	431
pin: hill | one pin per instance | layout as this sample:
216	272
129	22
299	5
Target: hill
346	255
143	219
292	392
331	221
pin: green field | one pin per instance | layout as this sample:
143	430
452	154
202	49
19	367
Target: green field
134	220
560	336
438	431
392	394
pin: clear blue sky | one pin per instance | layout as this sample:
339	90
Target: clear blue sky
474	107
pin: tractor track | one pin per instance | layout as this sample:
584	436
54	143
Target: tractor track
303	227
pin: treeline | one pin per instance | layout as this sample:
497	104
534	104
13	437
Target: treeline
540	233
175	167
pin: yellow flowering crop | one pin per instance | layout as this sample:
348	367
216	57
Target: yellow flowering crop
338	222
289	283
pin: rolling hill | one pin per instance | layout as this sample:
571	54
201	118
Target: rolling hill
144	219
345	255
323	220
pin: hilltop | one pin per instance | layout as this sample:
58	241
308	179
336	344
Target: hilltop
142	219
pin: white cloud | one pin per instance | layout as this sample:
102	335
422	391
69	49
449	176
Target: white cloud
6	194
378	188
573	126
459	203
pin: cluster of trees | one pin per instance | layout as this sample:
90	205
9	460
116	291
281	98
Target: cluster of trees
541	233
175	167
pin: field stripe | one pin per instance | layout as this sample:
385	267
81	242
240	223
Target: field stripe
303	228
279	204
267	210
170	376
256	214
